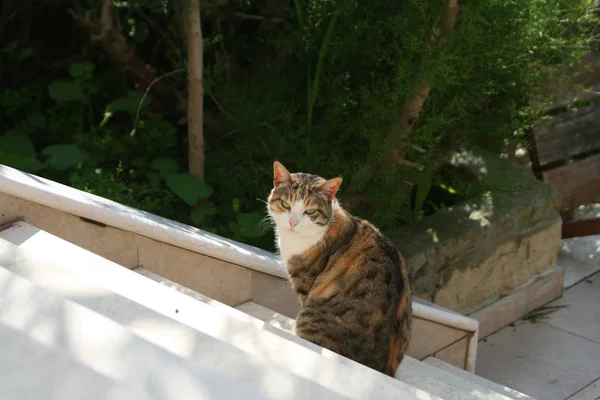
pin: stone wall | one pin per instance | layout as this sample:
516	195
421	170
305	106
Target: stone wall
467	256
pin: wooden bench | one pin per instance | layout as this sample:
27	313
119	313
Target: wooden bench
566	148
566	154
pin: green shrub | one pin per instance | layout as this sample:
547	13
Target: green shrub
319	91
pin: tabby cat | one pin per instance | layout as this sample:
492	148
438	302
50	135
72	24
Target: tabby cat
351	280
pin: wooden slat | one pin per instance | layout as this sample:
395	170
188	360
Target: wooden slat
577	183
568	134
587	227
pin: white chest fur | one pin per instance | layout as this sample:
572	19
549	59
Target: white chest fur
291	243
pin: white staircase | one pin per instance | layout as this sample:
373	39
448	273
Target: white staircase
74	325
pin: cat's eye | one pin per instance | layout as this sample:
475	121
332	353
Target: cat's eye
285	204
310	212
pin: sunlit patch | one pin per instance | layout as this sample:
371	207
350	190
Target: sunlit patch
484	212
466	158
433	235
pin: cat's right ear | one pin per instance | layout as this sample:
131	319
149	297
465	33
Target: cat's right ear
330	187
280	174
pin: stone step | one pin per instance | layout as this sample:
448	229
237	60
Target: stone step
506	391
119	333
440	382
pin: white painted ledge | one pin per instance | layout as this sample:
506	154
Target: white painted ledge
435	313
72	201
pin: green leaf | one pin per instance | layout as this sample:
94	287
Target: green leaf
37	119
200	211
17	151
153	178
21	163
129	103
250	224
423	188
26	53
63	91
63	156
165	165
188	187
234	227
205	209
17	144
236	205
12	46
196	217
82	69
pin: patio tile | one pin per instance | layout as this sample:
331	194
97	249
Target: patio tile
591	392
539	360
582	316
576	266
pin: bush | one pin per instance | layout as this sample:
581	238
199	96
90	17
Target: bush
318	85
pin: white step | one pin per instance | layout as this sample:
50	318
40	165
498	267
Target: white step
414	372
411	371
53	348
269	316
249	311
496	387
87	311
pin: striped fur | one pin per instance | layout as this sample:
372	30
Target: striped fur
350	278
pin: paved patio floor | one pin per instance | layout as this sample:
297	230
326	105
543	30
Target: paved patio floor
556	356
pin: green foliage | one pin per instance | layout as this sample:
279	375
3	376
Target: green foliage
17	150
72	90
65	91
201	211
128	104
320	91
165	166
63	156
188	187
248	225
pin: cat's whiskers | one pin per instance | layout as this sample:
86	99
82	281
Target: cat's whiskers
266	224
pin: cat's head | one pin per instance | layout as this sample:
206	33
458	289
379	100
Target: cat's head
302	203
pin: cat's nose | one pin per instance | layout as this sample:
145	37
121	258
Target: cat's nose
293	222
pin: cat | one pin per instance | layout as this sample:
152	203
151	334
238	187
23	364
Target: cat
351	280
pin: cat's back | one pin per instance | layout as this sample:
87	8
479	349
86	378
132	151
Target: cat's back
361	298
362	258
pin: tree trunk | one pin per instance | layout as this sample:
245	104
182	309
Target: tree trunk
414	105
195	89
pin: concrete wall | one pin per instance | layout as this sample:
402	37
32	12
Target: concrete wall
472	254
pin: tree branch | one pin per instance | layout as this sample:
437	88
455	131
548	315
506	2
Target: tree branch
258	17
104	34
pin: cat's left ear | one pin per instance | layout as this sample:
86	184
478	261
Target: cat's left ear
280	174
330	187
